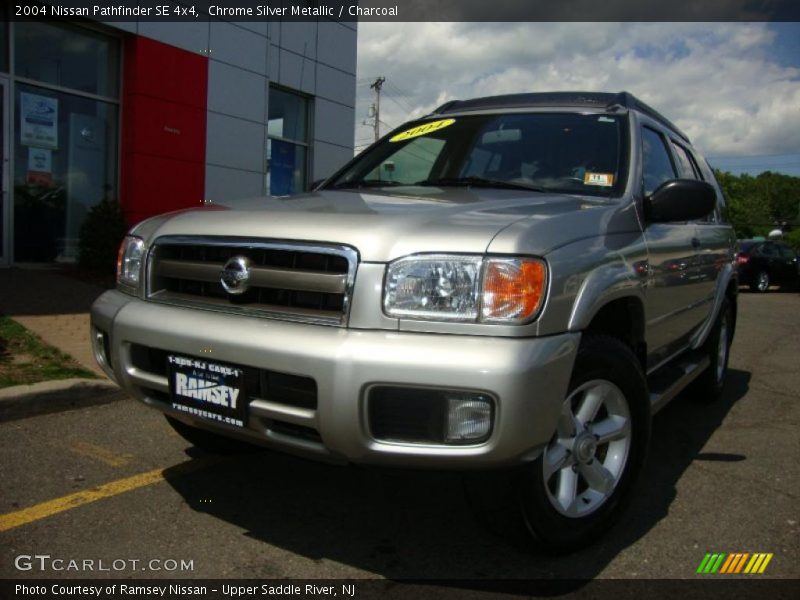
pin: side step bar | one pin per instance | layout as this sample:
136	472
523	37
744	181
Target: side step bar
670	380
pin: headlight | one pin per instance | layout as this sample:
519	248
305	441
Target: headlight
129	263
465	288
433	287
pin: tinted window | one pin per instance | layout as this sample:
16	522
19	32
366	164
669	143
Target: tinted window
657	166
557	151
768	250
785	251
287	143
65	149
67	56
685	168
412	163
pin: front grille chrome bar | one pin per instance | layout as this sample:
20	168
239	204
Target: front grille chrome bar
294	281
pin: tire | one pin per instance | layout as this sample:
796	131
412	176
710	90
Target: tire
580	484
760	282
709	385
210	442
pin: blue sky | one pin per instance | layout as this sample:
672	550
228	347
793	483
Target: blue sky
733	87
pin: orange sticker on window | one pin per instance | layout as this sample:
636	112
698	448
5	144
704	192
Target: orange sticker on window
423	129
603	179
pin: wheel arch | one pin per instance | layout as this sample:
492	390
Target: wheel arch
611	302
727	288
622	318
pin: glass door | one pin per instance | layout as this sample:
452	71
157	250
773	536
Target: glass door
5	227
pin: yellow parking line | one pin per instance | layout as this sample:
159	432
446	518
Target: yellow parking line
104	455
113	488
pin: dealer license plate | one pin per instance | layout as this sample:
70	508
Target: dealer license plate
208	390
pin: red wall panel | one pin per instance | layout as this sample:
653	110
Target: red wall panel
163	128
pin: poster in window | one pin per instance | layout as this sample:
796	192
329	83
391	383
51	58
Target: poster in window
40	166
38	121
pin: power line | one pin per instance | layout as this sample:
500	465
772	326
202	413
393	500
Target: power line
401	97
403	108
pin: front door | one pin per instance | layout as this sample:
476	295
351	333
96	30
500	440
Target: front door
5	225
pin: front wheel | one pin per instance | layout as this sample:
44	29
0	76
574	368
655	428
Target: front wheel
583	479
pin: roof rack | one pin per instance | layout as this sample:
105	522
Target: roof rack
604	100
629	101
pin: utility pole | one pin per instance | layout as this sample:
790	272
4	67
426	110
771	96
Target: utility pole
376	108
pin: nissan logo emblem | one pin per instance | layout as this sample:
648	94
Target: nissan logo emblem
235	275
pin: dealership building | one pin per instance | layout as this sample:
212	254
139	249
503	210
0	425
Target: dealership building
163	116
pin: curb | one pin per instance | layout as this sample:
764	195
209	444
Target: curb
23	401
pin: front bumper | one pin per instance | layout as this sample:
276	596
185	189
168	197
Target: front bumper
527	377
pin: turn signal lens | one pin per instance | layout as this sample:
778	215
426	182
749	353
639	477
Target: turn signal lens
513	289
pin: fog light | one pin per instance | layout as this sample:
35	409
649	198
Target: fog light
469	418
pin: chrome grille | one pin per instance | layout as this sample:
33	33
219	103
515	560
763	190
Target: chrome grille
293	281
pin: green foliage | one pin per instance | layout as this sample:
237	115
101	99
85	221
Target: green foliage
100	236
793	239
26	359
757	205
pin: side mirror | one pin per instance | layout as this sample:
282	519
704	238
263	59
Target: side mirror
680	200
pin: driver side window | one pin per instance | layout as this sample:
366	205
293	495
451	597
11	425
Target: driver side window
656	164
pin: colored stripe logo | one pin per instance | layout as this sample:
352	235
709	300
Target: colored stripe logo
735	562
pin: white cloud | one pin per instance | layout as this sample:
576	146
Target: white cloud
716	81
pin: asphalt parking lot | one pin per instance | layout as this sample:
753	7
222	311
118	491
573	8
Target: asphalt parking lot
114	483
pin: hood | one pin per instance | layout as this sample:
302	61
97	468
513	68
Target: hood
385	226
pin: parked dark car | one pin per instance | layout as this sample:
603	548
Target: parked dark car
765	263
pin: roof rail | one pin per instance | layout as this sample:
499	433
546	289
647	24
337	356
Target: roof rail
631	102
444	107
606	100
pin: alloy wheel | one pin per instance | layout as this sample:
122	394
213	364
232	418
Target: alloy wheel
763	281
586	458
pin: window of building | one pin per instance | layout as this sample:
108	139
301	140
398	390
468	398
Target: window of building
65	95
3	40
287	143
67	57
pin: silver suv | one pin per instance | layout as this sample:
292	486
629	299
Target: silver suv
512	283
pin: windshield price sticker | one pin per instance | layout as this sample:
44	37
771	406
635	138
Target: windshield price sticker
423	129
602	179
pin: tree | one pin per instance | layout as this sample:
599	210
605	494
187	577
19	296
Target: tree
757	205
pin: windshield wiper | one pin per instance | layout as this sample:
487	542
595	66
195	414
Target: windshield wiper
365	183
475	181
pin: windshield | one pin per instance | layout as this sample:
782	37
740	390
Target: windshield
560	152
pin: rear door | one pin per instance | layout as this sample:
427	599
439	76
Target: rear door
715	237
674	295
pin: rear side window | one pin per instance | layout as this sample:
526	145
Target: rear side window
656	164
768	250
686	166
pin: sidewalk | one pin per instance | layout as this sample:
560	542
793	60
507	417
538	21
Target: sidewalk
56	308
